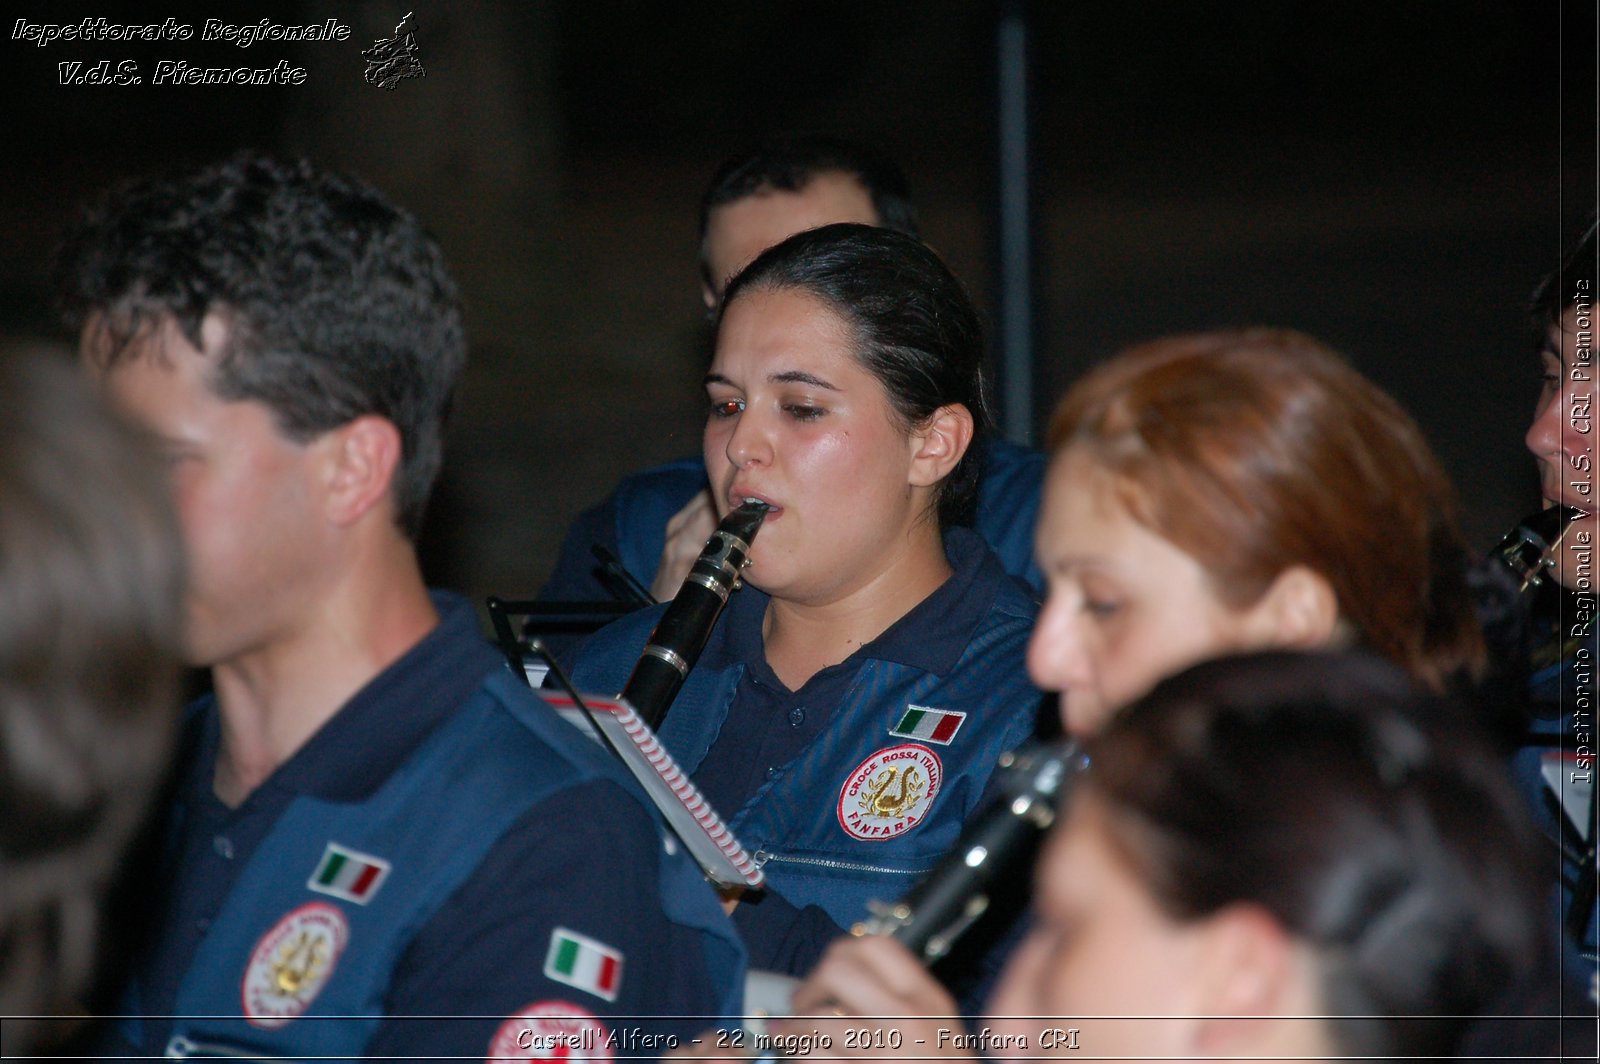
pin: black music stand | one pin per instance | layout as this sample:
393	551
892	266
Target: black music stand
541	617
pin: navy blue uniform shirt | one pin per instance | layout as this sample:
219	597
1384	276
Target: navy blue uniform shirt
769	724
482	955
789	769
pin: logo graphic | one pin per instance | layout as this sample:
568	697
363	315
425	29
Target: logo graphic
584	963
928	724
890	792
349	875
551	1030
391	60
291	964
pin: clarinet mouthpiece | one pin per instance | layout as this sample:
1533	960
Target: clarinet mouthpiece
743	521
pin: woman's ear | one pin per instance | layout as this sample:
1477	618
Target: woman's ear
938	444
1254	971
1299	611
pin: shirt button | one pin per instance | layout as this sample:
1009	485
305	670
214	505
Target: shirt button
223	846
203	923
797	716
772	773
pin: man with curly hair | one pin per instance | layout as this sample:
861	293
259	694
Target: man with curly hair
373	849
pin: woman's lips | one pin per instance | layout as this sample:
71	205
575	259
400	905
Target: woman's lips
1565	497
739	498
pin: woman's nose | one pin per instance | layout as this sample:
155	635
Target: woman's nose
1543	437
1055	650
748	443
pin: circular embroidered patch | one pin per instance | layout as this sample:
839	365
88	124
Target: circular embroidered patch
890	792
291	964
551	1030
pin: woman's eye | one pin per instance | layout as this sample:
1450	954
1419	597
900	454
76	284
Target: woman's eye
721	408
1101	608
802	412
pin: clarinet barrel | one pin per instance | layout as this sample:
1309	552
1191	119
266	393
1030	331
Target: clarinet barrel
682	632
938	910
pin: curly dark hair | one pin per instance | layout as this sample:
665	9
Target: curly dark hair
338	303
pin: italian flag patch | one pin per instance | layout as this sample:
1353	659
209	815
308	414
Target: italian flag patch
346	874
930	725
584	963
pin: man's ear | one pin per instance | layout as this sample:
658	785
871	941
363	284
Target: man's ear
361	461
939	442
1299	611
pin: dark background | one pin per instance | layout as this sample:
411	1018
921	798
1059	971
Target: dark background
1391	177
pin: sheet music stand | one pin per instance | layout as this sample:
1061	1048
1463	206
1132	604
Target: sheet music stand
546	616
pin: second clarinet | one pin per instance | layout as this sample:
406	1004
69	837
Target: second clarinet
995	844
682	632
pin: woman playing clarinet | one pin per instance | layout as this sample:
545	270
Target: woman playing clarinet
851	702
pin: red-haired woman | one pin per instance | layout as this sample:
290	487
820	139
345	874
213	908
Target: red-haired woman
1211	494
1234	490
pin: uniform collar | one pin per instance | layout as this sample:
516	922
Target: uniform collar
382	724
931	637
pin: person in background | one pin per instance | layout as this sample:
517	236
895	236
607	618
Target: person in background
91	594
852	699
1561	435
374	820
656	521
1556	768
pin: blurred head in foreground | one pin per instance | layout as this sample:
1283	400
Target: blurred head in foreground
1268	857
90	615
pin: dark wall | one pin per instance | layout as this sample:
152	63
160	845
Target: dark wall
1392	178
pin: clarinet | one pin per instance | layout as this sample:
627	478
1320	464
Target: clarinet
1529	549
682	632
1528	552
938	910
933	916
